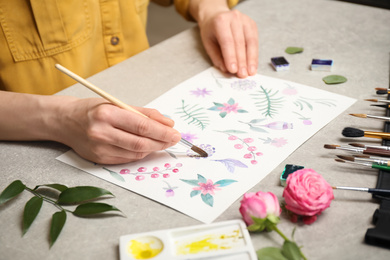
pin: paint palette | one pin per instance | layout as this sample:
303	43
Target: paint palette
227	240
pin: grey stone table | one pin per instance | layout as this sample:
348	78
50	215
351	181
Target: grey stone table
356	37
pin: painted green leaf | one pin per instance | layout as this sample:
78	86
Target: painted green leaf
115	175
92	208
226	182
11	191
57	223
214	108
291	251
194	115
191	182
201	178
334	79
258	129
31	210
231	101
194	193
79	194
242	111
255	121
270	253
56	186
233	132
222	114
208	199
293	50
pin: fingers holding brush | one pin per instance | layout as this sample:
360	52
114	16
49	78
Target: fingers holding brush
106	134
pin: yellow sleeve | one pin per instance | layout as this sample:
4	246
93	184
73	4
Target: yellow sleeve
182	7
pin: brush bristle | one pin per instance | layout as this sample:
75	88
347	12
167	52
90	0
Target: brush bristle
331	146
352	132
357	145
381	92
380	88
346	158
199	151
371	99
339	160
361	156
384	106
359	115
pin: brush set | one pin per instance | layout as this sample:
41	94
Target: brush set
375	157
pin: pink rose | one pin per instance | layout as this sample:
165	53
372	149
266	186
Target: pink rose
307	194
259	205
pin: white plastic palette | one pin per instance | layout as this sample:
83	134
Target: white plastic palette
227	240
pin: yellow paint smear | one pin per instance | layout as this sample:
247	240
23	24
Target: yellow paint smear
143	250
197	247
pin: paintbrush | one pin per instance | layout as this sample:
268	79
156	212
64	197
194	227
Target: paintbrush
369	190
378	100
120	104
366	160
387	148
354	132
384	106
387	119
359	150
382	91
369	157
374	166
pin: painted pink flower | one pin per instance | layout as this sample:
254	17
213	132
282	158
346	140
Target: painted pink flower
290	91
243	84
200	92
124	171
279	142
189	137
229	108
207	188
259	205
307	194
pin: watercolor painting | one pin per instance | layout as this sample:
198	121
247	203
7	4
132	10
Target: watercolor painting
247	127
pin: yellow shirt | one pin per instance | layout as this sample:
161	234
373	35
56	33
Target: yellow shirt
85	36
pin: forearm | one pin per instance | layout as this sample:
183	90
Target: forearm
201	9
30	117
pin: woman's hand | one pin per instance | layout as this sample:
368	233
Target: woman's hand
104	133
95	129
229	37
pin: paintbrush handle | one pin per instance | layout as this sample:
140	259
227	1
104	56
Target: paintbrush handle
108	97
375	151
380	167
97	90
379	191
377	135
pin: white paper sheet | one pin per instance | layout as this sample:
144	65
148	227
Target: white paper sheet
248	127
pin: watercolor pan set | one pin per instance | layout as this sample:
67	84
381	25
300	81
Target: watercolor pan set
226	240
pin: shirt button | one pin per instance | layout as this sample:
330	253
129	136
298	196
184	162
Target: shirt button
114	40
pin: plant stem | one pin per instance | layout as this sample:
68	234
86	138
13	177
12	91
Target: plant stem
286	239
46	199
280	233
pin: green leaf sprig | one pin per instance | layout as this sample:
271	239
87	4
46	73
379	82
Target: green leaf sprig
289	251
79	195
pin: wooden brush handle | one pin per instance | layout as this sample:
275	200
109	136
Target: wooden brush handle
379	152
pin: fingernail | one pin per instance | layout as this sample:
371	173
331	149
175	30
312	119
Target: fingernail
234	68
176	138
244	72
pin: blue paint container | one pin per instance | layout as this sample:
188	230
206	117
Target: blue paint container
321	65
280	63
